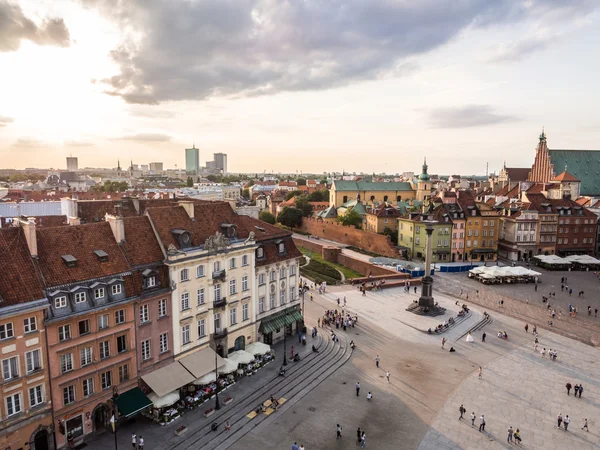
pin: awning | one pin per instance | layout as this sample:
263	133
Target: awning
280	320
210	377
168	378
168	399
202	362
484	250
132	402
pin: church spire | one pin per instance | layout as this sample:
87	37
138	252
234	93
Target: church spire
424	175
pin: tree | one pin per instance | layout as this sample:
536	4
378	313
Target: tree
290	217
351	218
246	193
319	196
392	234
291	194
266	216
301	181
323	181
190	182
213	178
302	204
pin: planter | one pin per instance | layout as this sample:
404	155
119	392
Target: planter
227	401
209	412
181	430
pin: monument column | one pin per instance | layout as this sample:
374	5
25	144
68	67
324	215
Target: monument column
426	299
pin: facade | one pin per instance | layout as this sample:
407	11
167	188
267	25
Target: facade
576	229
481	229
413	237
424	184
155	167
192	161
221	162
519	232
380	218
548	223
72	164
26	407
370	193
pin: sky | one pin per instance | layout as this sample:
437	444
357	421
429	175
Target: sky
298	85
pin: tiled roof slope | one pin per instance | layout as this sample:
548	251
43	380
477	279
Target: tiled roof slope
79	241
582	164
20	280
342	185
141	246
518	173
272	255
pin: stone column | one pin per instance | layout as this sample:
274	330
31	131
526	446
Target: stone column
426	299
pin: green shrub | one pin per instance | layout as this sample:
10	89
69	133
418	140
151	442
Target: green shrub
317	277
323	269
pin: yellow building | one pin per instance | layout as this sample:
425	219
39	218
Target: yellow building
382	217
369	192
481	230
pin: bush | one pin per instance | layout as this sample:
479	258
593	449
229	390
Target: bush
303	261
323	269
317	277
266	216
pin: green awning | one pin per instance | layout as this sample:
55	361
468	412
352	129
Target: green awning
280	320
132	402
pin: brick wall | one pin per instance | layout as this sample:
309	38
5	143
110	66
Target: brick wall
366	240
363	267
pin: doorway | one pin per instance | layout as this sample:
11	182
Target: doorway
240	343
220	350
40	440
99	417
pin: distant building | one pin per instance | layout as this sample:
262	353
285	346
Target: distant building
221	162
158	166
192	160
72	163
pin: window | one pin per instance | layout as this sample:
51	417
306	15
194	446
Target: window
98	293
103	321
491	233
66	362
10	368
151	282
232	287
485	223
282	297
476	233
201	297
245	260
232	263
575	241
475	243
88	387
261	279
245	312
144	314
232	316
201	328
36	396
566	241
185	334
217	266
272	301
84	327
64	332
29	325
184	275
13	404
292	293
123	373
116	289
146	350
85	354
33	360
261	305
122	343
163	341
217	322
260	253
273	276
68	394
185	301
292	270
217	292
559	240
199	271
120	316
245	283
491	223
439	243
162	307
106	378
6	331
80	297
281	248
60	302
104	349
282	273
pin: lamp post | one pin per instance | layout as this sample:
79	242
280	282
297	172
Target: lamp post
115	416
217	404
284	340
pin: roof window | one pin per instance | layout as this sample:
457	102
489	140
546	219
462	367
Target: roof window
69	260
102	255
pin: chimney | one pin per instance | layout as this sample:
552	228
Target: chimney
117	226
74	221
68	207
30	235
188	206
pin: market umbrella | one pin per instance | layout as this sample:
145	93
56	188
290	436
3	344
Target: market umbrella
258	348
210	377
229	367
241	357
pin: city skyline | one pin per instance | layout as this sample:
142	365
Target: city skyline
280	87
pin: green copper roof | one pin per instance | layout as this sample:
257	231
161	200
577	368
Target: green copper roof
583	164
358	186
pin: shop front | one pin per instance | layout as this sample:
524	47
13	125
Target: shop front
272	328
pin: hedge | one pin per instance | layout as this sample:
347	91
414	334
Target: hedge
323	269
317	277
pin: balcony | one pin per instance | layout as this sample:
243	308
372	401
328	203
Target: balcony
220	333
219	275
220	303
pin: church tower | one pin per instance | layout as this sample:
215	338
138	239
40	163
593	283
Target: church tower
542	170
424	184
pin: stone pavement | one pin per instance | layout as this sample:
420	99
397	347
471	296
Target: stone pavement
523	390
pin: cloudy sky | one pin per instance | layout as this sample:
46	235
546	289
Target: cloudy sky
297	85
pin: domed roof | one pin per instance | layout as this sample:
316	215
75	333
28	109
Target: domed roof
424	176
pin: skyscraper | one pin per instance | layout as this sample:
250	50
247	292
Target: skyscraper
192	160
221	162
72	163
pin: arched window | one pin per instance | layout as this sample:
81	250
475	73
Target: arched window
240	343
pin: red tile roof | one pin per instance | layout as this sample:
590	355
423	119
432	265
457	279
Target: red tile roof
272	255
20	281
518	173
141	246
565	176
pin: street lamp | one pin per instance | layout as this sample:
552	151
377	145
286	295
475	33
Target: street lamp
217	404
115	416
284	340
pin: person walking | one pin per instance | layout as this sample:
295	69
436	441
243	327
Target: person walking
387	375
377	359
338	432
443	342
133	441
517	436
301	447
481	423
510	435
480	370
358	435
576	390
585	425
357	388
295	446
559	419
363	440
566	422
580	390
526	328
568	386
141	443
461	410
473	419
483	337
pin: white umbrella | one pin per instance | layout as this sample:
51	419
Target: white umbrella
258	348
241	357
165	400
229	367
206	379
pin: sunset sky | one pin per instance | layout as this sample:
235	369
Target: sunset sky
297	85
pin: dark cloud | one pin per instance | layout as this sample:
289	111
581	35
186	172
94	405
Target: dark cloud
15	27
4	120
467	116
195	50
146	137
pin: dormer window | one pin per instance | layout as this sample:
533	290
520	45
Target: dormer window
260	253
151	282
80	297
69	260
150	278
60	302
116	289
229	230
99	293
281	248
184	238
102	255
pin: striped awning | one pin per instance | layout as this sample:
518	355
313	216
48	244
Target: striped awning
280	320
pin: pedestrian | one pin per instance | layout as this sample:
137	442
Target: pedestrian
517	436
133	441
576	390
295	446
301	447
480	370
483	337
357	388
415	289
526	327
510	434
534	329
568	386
502	303
559	419
339	431
387	374
377	359
461	410
363	438
580	390
566	422
227	426
70	439
319	322
473	419
481	423
358	435
570	291
292	350
585	425
299	338
443	342
141	443
596	312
